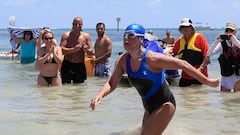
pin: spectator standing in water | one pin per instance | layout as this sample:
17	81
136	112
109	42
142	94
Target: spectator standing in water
49	57
75	44
191	47
228	46
103	51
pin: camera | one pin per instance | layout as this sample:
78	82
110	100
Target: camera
225	37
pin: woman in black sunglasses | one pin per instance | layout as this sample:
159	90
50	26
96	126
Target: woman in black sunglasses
49	59
228	46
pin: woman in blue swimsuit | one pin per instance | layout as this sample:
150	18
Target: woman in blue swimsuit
145	72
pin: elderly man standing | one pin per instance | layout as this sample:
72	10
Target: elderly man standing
192	47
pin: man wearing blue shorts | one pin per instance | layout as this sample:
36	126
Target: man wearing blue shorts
103	51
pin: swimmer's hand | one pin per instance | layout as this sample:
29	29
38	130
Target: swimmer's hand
95	102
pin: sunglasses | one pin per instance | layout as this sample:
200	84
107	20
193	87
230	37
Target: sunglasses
47	38
132	34
229	30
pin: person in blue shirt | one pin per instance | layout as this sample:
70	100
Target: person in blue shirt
27	46
145	72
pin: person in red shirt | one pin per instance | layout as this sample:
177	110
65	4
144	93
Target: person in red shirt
192	47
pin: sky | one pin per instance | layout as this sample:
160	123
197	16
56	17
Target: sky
149	13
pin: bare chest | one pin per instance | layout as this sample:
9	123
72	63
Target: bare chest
74	40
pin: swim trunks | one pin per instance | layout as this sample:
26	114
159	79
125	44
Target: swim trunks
75	72
103	70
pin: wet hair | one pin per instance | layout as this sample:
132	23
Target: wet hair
26	32
100	23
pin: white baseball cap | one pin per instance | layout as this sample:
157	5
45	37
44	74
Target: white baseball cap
186	22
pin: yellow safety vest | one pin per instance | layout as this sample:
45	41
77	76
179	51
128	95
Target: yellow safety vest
190	44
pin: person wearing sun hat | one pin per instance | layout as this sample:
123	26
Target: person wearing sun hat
231	25
191	47
145	70
186	22
228	46
27	45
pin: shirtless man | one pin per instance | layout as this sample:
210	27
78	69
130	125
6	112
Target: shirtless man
75	44
103	51
169	39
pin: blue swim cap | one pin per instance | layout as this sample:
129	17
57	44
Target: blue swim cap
137	28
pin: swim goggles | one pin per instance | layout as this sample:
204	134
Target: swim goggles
132	34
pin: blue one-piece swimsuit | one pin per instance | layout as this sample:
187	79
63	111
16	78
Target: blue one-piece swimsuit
152	87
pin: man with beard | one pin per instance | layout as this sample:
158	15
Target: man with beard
103	51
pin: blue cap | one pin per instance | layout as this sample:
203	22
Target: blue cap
137	28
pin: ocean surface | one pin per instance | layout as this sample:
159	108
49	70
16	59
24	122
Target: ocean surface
26	109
